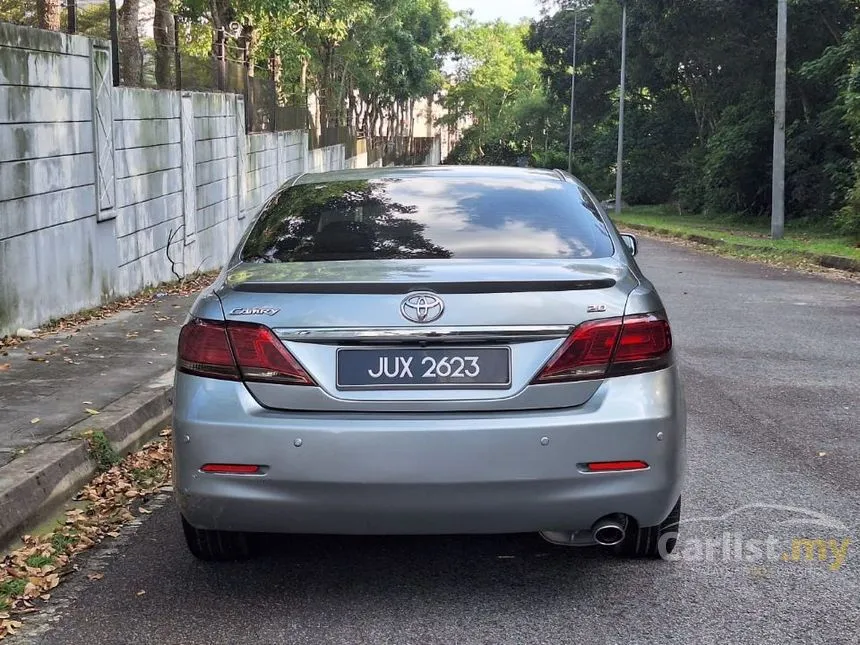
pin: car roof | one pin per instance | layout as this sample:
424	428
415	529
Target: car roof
436	172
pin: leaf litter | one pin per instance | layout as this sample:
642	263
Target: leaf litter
29	573
133	303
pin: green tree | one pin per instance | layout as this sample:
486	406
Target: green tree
497	85
700	100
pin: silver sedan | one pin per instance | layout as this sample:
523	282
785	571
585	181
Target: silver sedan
428	351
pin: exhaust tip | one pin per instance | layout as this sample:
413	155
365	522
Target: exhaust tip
610	530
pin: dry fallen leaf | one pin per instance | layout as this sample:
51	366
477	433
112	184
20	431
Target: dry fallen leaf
145	511
35	420
91	411
9	626
105	505
95	576
5	367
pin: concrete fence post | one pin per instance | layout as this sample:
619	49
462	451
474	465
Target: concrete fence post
241	159
305	153
282	158
103	129
189	183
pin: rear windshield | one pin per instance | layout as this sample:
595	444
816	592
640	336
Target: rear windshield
428	218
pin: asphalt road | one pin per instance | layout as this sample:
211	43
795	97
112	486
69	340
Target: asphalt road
773	386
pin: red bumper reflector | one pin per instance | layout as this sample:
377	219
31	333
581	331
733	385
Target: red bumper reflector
610	466
231	469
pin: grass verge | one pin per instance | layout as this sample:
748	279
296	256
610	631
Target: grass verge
804	244
29	573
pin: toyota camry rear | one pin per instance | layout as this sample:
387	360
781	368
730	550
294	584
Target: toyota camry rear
430	351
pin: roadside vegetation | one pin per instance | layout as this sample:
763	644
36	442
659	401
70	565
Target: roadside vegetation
366	62
805	243
30	572
699	110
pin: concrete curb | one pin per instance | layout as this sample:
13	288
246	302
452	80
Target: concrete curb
37	484
826	261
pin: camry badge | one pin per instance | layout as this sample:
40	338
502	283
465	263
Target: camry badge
422	307
254	311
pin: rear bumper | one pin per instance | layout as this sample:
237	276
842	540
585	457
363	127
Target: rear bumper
423	473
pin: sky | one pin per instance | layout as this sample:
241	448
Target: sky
508	10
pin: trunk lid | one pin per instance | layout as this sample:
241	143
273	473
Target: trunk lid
317	308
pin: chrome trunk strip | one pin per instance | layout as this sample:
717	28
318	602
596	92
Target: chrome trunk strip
394	335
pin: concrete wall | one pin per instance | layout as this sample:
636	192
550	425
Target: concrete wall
148	163
106	190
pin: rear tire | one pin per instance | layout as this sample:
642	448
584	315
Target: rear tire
652	541
216	546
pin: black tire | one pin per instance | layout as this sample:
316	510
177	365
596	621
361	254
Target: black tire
216	545
652	541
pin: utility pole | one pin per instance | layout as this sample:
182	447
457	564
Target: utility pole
572	92
777	217
620	162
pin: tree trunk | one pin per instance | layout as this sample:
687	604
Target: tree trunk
162	33
327	91
248	41
221	13
304	77
398	110
397	120
130	54
368	118
375	116
275	64
352	108
48	13
411	115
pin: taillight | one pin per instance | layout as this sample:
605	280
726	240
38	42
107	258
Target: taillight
236	351
262	357
645	345
204	350
585	354
611	347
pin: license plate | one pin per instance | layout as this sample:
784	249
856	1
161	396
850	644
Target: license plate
388	368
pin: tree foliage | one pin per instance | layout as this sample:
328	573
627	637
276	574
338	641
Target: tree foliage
363	59
699	125
496	85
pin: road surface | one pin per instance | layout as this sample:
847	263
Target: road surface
770	359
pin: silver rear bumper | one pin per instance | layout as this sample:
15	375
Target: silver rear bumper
427	473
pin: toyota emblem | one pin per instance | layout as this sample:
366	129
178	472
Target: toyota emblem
422	307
